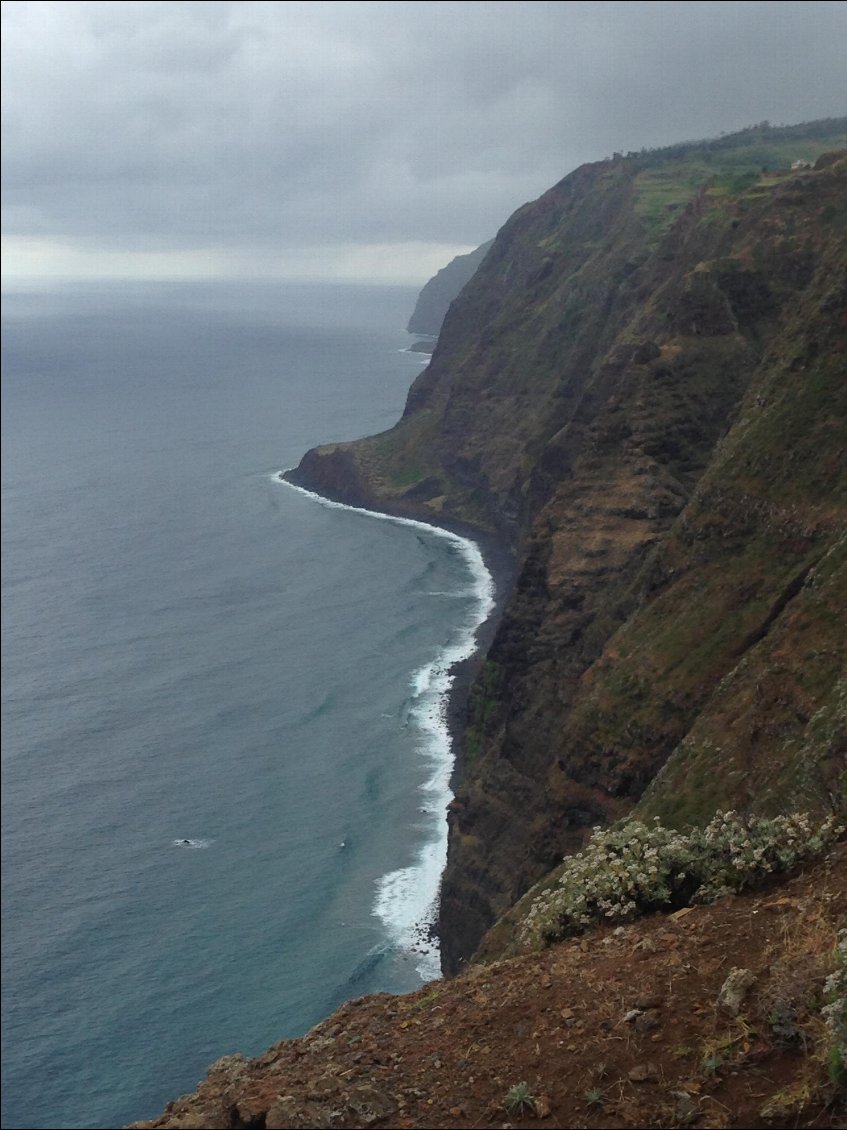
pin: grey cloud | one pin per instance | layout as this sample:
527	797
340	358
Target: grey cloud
238	125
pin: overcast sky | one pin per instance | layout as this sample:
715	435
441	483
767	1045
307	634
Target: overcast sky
360	140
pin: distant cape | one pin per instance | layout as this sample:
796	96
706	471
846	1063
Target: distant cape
435	298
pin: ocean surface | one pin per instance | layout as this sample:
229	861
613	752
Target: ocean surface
225	764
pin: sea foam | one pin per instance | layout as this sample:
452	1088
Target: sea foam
406	899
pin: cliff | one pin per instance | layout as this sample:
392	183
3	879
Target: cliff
435	298
641	392
639	400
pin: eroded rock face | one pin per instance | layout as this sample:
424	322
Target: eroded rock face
653	419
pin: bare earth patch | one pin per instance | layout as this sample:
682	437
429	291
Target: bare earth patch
708	1017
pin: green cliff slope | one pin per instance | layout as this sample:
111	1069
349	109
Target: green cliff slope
641	392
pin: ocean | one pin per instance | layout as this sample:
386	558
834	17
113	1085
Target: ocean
225	761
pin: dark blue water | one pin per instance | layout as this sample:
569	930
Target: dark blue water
193	650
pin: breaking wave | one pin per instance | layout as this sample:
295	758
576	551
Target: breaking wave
406	899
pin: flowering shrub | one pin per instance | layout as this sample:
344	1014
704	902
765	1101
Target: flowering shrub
634	868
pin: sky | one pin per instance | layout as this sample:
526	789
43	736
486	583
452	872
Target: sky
359	141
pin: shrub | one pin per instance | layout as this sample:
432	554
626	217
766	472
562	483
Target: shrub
835	1013
634	868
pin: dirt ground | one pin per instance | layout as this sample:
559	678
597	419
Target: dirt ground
620	1028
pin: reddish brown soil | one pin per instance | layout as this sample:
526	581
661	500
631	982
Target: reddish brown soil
621	1028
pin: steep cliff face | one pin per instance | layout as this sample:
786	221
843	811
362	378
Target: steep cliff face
641	392
435	298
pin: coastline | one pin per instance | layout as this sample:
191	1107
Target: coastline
501	563
498	566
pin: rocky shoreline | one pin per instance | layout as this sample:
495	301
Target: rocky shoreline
500	563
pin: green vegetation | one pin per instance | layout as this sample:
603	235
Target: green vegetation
594	1096
757	157
758	146
428	999
632	868
519	1099
711	1064
835	1014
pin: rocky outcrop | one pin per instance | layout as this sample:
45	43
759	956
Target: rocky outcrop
640	392
435	298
